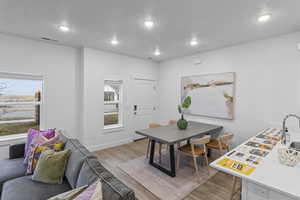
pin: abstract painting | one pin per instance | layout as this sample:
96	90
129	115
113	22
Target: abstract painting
212	94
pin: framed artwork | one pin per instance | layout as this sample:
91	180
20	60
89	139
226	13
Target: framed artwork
212	94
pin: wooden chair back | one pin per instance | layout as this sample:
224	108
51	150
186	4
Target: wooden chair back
202	141
171	122
154	125
226	138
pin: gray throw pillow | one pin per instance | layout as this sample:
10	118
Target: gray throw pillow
51	166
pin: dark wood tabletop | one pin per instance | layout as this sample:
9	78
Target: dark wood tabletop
170	134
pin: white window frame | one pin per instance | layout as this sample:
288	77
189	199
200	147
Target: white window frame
119	126
9	75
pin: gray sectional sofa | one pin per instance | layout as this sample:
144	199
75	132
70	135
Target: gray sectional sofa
83	168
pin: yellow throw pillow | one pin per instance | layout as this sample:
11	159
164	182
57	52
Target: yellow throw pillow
36	152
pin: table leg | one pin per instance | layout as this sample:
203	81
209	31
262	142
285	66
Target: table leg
152	150
172	171
208	152
172	160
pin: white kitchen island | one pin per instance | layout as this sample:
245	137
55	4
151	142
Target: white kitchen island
270	180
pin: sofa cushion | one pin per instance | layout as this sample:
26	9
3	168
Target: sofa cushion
36	151
32	133
78	154
69	195
90	172
11	169
112	188
24	188
51	167
62	137
42	141
93	192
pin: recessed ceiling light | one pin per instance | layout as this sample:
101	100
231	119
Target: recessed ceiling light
114	42
194	42
64	28
157	52
149	24
264	18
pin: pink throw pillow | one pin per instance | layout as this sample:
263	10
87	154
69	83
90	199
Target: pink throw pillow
33	132
40	140
93	192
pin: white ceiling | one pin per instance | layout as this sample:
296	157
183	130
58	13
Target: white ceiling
216	23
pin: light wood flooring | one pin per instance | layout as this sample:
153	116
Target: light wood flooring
217	188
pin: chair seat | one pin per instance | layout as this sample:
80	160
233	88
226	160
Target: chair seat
214	144
188	149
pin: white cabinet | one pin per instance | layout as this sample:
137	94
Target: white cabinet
253	191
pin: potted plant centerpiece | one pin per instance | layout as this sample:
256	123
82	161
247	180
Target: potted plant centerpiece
182	123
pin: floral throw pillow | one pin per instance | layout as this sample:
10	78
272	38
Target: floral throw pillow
93	192
31	135
36	151
39	139
69	195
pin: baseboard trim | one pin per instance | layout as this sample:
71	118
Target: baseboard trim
108	145
139	139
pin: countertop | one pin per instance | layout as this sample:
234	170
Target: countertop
270	172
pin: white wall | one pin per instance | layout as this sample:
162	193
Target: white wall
98	66
73	85
267	82
59	66
267	85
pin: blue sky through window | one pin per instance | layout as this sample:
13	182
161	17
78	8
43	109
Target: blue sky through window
19	87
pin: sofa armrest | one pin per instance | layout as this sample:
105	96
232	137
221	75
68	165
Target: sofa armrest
113	188
16	151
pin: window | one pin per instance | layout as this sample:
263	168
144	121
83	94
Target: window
112	104
20	102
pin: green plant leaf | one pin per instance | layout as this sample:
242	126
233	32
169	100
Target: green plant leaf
229	98
226	95
187	102
179	109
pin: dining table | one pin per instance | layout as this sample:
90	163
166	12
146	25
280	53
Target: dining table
171	135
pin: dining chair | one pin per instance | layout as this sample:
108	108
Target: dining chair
153	125
196	149
221	143
172	122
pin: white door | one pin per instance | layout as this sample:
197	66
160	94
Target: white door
143	104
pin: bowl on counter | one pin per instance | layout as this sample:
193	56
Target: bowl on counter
288	157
